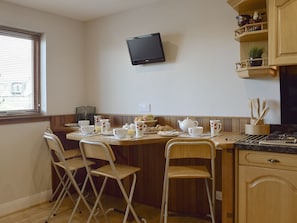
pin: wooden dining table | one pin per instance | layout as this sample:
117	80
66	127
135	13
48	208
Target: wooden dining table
147	152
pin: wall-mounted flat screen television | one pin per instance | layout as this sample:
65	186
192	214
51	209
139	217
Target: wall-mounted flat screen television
146	49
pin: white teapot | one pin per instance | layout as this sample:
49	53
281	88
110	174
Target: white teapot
187	123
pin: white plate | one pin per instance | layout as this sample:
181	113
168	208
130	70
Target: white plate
81	134
109	133
125	138
74	124
203	135
168	133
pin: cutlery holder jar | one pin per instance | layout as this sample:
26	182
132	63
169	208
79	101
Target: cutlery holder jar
257	129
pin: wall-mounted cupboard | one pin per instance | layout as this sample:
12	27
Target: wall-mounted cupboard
252	34
282	32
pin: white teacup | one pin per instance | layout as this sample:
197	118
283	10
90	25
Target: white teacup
195	131
140	127
83	123
87	129
120	132
215	127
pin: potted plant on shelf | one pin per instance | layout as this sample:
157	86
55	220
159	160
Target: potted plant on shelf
255	55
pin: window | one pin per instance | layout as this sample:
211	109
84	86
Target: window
19	71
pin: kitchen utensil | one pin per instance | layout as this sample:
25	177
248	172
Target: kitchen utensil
105	125
263	104
258	106
195	131
262	115
82	123
120	132
255	103
215	127
87	129
140	128
251	108
187	123
257	129
243	19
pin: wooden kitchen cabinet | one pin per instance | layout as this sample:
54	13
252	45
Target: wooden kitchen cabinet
252	35
267	187
282	32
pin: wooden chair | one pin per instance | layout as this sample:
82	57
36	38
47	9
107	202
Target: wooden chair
183	148
70	167
102	151
68	154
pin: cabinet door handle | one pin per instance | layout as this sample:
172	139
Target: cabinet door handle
273	161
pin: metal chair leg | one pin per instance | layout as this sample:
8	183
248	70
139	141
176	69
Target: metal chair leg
209	201
129	199
98	202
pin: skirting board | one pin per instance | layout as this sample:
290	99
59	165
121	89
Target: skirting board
25	202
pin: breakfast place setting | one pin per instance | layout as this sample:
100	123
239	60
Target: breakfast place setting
144	127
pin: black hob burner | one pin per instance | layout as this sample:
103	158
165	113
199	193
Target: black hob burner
280	138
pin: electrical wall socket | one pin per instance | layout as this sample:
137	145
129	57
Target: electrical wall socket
219	195
144	108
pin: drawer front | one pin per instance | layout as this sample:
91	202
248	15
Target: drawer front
268	159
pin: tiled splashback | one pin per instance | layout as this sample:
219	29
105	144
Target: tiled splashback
229	124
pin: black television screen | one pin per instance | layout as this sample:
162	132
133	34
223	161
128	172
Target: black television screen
146	49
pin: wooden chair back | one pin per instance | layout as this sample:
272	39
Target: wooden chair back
179	148
97	150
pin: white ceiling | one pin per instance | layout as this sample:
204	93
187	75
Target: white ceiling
82	10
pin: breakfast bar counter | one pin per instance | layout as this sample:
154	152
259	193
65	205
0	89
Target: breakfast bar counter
225	140
147	152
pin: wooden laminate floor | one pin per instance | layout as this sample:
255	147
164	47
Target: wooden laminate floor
39	213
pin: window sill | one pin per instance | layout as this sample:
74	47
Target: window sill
13	119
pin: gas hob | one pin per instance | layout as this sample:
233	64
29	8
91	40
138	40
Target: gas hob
277	142
279	138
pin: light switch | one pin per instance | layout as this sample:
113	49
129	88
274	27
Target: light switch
144	108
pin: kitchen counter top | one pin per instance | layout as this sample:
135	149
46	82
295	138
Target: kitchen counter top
225	140
267	148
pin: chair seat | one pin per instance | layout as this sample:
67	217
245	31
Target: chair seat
123	171
188	172
74	164
71	153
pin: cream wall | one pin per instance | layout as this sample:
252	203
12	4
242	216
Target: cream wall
198	77
25	178
25	174
89	64
63	72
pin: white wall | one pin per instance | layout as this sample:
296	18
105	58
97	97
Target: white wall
25	174
199	75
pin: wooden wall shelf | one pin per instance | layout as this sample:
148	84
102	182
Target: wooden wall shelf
246	5
252	32
256	72
246	70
